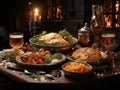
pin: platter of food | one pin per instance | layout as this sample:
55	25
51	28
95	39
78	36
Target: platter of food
53	41
40	59
87	55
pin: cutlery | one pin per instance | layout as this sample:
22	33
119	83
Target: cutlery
26	71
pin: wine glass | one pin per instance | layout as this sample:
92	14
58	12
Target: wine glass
108	40
16	41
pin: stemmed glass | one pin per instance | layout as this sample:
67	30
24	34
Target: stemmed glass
108	40
16	41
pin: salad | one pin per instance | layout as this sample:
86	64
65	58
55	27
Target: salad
62	38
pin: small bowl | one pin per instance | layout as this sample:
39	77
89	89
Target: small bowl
81	73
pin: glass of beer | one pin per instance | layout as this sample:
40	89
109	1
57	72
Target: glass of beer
108	40
16	41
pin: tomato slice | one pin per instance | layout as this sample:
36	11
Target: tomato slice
65	38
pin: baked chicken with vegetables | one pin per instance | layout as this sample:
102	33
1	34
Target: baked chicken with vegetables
61	38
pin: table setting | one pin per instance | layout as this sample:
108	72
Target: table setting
62	61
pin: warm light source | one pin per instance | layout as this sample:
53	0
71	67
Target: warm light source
108	24
36	14
108	21
117	6
58	13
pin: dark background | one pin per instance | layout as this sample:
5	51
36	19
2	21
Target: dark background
14	16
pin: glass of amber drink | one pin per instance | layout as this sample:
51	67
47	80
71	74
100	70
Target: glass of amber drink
16	41
108	40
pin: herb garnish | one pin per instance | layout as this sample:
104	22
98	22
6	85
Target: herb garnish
36	75
11	57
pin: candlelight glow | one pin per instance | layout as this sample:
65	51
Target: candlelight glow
109	24
36	12
37	15
108	21
117	6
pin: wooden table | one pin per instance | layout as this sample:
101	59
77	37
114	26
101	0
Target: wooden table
104	79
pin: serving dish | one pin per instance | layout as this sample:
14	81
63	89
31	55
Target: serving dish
43	66
103	57
77	69
56	45
53	48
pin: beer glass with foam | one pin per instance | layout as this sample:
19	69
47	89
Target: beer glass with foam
16	41
108	40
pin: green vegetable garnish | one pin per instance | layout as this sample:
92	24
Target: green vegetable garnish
71	57
11	57
44	32
36	75
64	32
54	56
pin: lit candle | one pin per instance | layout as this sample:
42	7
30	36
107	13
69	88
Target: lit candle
117	6
36	14
108	24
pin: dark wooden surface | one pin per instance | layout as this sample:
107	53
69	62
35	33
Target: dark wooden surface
16	80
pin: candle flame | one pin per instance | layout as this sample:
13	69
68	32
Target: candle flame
36	12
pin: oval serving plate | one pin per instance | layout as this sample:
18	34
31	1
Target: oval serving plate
104	56
40	66
52	47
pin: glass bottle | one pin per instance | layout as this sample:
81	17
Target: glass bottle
97	23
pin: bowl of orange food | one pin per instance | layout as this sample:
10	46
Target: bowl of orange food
53	41
77	69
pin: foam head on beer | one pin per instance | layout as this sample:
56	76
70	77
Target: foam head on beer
108	39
